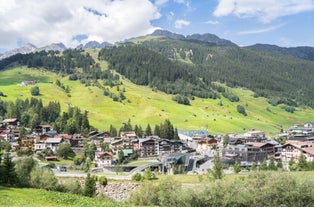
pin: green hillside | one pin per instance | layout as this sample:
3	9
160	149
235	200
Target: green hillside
143	106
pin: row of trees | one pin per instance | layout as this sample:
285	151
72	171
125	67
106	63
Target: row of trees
31	112
25	172
164	130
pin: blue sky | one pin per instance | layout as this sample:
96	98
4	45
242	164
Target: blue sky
285	23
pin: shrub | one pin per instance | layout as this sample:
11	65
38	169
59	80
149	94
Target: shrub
137	177
90	186
241	110
289	109
35	91
267	188
181	99
73	187
78	159
43	178
103	180
232	97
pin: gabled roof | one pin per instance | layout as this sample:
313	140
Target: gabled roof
255	132
9	120
304	146
54	140
65	136
256	144
145	139
45	126
101	154
117	141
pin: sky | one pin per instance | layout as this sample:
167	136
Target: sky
286	23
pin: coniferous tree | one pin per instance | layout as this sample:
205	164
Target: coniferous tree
302	163
113	131
9	176
90	186
157	131
176	134
148	131
217	171
120	157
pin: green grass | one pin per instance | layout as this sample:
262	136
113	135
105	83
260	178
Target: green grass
17	197
151	107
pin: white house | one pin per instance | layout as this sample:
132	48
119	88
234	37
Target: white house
295	149
53	143
103	159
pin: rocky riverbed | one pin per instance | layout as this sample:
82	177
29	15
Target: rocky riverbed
118	191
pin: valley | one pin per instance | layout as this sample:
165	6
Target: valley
146	106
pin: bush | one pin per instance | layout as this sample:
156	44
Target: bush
241	110
137	177
73	187
35	91
148	174
2	94
103	180
232	97
43	178
78	159
181	99
23	169
90	186
145	195
257	189
289	109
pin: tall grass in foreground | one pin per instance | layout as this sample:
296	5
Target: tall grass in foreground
26	197
258	189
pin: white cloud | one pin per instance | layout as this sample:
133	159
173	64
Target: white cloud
181	23
258	31
212	22
264	10
42	22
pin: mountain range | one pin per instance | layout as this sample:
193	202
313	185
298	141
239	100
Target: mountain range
302	52
29	48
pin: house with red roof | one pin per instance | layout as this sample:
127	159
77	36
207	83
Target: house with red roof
103	159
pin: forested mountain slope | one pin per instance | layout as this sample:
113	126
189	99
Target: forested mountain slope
282	79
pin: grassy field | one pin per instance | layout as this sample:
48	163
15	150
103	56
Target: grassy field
17	197
146	106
